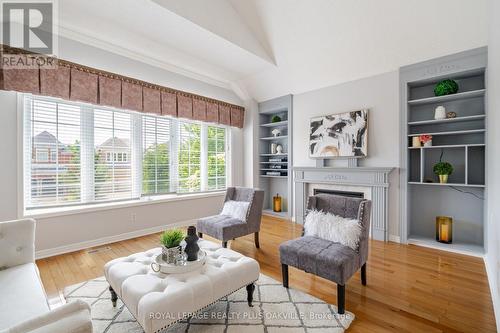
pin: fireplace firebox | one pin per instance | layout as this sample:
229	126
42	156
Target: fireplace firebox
349	194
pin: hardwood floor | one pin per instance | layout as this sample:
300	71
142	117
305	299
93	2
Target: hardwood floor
410	288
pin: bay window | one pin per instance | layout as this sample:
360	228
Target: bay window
76	153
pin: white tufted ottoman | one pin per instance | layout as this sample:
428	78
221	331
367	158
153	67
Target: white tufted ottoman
159	300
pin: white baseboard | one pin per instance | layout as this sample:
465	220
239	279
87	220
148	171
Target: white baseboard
106	240
394	238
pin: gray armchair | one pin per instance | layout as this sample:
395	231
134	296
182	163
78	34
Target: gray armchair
329	260
227	228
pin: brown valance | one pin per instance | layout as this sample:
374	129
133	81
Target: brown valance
75	82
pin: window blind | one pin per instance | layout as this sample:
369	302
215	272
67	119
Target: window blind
54	172
156	155
76	153
216	157
189	160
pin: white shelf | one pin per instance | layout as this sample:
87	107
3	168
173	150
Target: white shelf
447	120
450	132
274	169
276	124
447	184
273	213
273	162
270	138
269	176
275	111
450	146
282	154
456	247
447	98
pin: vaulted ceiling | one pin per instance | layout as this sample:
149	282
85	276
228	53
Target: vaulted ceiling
267	48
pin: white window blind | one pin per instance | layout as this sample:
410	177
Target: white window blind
189	160
156	155
216	157
75	153
54	166
113	173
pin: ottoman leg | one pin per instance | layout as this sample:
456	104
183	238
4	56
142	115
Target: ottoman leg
224	244
114	297
250	289
200	235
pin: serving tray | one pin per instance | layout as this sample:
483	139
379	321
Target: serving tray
158	265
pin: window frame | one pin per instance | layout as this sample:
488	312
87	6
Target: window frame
24	140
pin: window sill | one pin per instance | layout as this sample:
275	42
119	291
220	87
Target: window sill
150	200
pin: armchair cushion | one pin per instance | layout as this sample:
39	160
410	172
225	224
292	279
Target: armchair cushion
332	261
17	242
236	209
73	317
222	227
333	228
23	296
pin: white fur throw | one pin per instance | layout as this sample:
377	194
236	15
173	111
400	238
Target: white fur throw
333	228
236	209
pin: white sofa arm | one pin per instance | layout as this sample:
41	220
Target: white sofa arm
73	317
17	242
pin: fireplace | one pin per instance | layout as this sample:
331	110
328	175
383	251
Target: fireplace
360	182
349	194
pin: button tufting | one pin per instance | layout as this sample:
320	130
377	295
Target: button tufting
19	248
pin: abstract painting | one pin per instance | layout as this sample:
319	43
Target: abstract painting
339	135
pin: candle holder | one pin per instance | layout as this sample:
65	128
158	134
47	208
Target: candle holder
444	229
277	203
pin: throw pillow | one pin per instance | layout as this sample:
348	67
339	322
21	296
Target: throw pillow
236	209
334	228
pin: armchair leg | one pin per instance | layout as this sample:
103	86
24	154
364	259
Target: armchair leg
341	298
224	244
363	275
200	235
250	290
284	273
256	238
114	297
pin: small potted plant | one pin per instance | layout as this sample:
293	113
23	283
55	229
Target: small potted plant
171	241
426	140
443	170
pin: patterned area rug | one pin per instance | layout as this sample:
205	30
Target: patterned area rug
275	310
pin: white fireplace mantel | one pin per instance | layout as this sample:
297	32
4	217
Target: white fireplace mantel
375	180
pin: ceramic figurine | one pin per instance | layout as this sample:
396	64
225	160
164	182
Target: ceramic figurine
440	112
279	149
192	247
276	132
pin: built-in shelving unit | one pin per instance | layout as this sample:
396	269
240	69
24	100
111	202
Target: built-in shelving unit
459	141
275	175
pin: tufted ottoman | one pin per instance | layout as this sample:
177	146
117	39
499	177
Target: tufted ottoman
159	300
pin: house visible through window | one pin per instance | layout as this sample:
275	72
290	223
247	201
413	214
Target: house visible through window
78	154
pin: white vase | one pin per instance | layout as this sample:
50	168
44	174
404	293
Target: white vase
279	149
273	148
440	113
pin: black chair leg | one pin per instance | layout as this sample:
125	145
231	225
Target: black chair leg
200	234
250	290
363	274
284	273
341	298
224	244
256	238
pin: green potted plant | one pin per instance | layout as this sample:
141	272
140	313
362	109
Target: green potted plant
446	87
275	119
443	170
171	241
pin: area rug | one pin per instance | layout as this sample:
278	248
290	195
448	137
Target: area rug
276	310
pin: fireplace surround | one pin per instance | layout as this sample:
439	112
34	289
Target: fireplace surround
369	183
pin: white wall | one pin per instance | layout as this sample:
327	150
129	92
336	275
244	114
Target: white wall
66	232
380	94
493	158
